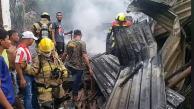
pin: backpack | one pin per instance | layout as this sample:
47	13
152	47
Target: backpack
43	29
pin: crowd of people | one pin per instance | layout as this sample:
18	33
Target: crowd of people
33	66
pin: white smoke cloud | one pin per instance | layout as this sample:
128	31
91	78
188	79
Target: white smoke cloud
90	15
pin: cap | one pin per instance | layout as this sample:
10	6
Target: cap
29	35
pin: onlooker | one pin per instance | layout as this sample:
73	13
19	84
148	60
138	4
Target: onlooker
59	34
14	38
7	97
27	82
76	58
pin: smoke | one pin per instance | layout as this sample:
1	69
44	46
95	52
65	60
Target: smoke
93	17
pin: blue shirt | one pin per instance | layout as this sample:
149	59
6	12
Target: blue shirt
6	82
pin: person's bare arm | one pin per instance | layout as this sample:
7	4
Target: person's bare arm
86	60
3	100
53	32
64	56
20	74
53	36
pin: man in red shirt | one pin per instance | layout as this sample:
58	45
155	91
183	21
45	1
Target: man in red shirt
26	82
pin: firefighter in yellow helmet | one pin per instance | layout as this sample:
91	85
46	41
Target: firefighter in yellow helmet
121	20
49	72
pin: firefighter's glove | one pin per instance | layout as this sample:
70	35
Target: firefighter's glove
43	90
65	73
56	73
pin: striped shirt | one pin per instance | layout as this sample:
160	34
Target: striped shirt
23	55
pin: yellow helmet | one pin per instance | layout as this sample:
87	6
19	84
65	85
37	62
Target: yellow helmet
121	17
45	14
46	45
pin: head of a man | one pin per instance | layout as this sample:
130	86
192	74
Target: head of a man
5	43
28	38
13	36
59	16
77	34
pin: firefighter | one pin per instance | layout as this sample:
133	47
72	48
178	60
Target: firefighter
43	28
120	21
49	73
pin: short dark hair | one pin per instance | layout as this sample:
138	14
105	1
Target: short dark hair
77	32
3	34
58	13
11	32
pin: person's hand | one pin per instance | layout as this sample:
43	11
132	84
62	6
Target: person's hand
91	72
54	43
70	32
23	83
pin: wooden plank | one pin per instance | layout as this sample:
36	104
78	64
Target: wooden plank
135	91
158	94
125	94
114	98
145	86
1	17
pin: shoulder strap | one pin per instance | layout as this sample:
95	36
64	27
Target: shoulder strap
40	24
37	25
40	63
40	67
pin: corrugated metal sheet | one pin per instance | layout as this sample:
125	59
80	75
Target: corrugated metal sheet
133	44
106	70
145	90
173	52
157	11
166	2
182	9
164	15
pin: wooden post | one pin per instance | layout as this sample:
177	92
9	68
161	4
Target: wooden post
1	17
181	76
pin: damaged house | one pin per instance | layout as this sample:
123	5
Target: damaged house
152	65
154	57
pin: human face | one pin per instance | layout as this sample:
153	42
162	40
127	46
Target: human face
46	54
59	17
30	42
5	43
15	37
